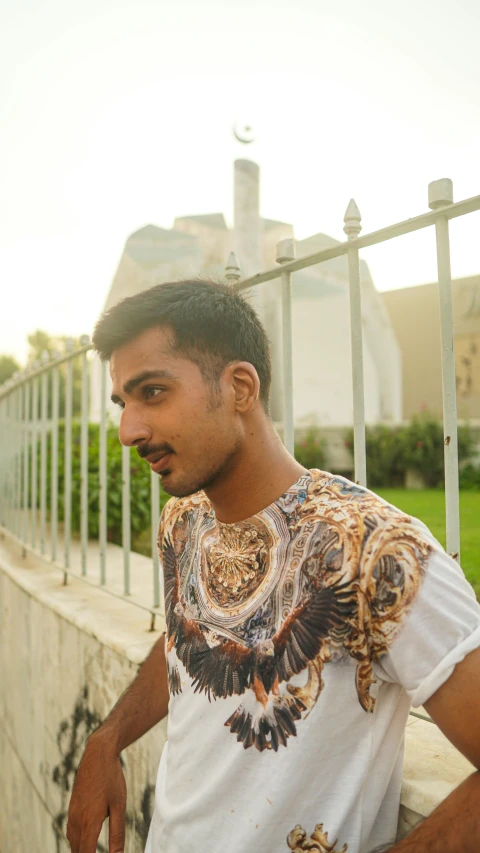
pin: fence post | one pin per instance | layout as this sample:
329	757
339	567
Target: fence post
34	456
286	253
26	454
352	228
126	528
67	489
440	194
18	447
43	452
154	521
102	537
84	340
54	459
232	270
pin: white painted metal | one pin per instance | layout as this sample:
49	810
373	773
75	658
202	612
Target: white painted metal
440	194
352	228
286	253
43	454
14	498
17	444
84	460
232	269
34	471
126	532
67	489
26	457
103	483
416	223
54	461
155	518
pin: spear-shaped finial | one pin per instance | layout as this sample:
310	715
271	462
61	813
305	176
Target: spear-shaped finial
352	220
232	270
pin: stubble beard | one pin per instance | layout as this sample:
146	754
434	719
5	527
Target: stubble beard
217	474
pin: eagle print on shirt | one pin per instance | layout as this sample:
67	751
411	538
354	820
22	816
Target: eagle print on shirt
298	841
328	570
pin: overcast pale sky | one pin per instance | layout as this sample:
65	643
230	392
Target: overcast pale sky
116	113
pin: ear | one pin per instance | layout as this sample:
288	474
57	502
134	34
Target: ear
245	384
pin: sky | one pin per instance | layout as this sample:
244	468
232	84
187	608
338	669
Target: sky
119	113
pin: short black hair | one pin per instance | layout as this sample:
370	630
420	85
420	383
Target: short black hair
211	323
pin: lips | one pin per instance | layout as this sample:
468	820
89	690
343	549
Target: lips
159	463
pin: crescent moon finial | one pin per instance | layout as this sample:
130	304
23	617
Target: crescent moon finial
243	133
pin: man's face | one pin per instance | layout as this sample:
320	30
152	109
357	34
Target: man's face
186	430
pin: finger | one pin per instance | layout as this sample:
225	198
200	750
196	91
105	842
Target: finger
116	829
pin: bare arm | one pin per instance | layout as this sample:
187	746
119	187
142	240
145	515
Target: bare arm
99	789
142	706
454	826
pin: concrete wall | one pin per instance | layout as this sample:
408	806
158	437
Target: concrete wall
66	655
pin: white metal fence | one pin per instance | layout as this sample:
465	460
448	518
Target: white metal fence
30	412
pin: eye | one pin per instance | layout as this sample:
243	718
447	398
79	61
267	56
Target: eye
151	391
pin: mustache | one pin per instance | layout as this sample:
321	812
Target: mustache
150	449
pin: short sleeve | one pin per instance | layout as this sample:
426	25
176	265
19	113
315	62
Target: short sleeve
439	630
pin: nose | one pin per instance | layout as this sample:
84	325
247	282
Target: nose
133	429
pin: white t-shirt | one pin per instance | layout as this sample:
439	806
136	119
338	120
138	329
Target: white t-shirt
297	640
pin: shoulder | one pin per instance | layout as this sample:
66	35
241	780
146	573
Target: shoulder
370	543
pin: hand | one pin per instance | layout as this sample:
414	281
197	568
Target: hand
99	791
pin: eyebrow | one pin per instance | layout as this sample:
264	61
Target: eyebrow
139	378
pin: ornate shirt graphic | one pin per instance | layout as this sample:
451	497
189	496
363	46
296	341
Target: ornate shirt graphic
292	670
250	605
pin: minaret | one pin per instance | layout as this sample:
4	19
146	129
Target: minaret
247	234
249	249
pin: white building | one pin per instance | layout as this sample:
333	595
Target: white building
200	245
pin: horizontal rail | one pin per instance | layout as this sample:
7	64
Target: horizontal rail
45	367
416	223
153	611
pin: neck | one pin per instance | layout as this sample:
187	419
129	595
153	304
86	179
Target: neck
261	471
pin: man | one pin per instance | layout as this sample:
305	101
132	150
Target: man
304	616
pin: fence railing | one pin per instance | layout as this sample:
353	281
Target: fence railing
50	400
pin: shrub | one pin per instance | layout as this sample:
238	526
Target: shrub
140	504
470	477
418	446
310	451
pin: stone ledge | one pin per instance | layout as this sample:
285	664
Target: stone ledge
116	623
433	767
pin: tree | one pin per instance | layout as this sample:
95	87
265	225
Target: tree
41	342
8	366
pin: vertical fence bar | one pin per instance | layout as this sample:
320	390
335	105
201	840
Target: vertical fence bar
26	455
84	460
17	437
11	466
352	228
34	471
126	518
232	270
7	461
102	533
154	520
67	486
43	454
440	194
21	419
54	461
285	253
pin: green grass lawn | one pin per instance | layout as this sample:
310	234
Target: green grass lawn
429	506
